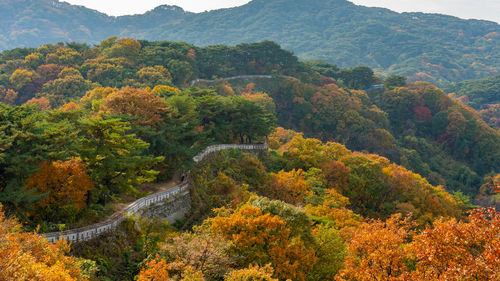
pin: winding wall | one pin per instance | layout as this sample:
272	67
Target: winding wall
192	83
94	230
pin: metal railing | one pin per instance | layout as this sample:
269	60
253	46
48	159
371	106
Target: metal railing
94	230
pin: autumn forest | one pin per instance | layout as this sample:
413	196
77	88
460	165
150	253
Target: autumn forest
399	181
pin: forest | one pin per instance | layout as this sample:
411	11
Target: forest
393	183
424	47
481	94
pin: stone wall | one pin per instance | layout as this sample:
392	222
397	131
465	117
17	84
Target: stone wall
170	204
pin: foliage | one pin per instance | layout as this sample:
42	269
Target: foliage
252	273
113	157
478	92
433	47
264	238
198	251
139	104
450	250
27	256
65	186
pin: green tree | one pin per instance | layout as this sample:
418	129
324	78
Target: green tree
114	157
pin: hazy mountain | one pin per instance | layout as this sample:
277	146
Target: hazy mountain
430	47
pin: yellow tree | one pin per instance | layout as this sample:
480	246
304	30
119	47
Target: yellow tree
290	187
252	273
28	256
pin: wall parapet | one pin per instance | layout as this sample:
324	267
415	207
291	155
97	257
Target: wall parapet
94	230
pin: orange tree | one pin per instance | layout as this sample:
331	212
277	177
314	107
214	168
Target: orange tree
66	185
28	256
265	238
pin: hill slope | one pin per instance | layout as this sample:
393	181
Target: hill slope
429	47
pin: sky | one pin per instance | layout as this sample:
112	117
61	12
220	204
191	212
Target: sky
477	9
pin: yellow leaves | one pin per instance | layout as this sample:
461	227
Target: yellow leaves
8	96
454	250
252	273
290	187
28	256
22	78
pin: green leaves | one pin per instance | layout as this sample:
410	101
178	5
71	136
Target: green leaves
114	156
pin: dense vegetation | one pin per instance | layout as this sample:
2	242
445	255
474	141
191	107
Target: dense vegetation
481	94
427	47
84	127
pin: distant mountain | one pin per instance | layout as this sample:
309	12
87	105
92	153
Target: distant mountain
429	47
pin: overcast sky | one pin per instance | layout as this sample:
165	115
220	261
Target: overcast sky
479	9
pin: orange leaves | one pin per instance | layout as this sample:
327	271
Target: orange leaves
147	108
28	256
264	238
155	270
451	250
8	96
375	252
290	187
42	103
459	250
249	228
65	182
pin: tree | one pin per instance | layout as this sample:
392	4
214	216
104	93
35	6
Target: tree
114	157
29	256
252	273
8	96
181	71
42	103
453	250
264	238
359	78
199	251
29	137
65	185
154	270
330	251
394	81
155	75
290	187
249	120
375	252
69	85
143	106
123	48
22	78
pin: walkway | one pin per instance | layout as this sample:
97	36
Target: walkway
94	230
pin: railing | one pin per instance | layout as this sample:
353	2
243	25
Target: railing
239	77
215	148
94	230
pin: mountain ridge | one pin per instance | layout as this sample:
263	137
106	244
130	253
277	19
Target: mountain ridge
431	47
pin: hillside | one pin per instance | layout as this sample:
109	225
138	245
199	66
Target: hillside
358	184
477	93
481	94
428	47
415	125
